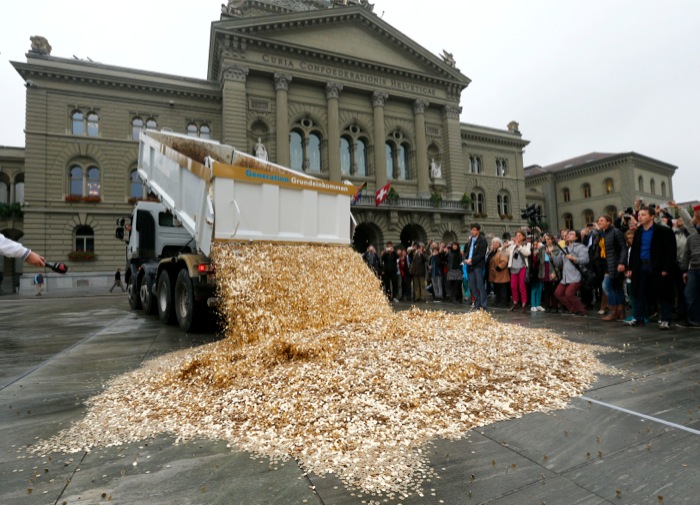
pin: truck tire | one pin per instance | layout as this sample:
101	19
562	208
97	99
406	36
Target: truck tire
133	290
148	301
166	299
185	308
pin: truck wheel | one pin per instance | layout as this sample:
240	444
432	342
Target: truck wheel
166	299
133	290
184	301
148	301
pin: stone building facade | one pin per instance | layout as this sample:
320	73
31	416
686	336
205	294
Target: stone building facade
328	88
575	192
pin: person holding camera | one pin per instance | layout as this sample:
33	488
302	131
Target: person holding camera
518	251
499	275
575	253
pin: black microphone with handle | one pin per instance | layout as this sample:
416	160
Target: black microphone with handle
59	268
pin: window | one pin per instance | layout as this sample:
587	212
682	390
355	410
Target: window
663	189
397	157
501	167
478	205
204	132
198	129
84	238
586	188
652	187
135	185
192	130
611	211
353	149
4	188
588	216
84	180
305	147
640	184
566	194
85	123
568	221
474	164
503	204
609	186
137	125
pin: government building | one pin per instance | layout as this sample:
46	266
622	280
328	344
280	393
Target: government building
327	87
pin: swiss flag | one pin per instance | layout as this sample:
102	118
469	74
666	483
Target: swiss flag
381	194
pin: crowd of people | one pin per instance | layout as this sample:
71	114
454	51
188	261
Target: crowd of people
643	265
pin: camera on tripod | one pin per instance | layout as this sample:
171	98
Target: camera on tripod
531	213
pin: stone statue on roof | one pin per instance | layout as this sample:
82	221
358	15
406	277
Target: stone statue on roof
40	45
448	58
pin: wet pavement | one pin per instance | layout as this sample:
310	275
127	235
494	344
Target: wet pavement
631	439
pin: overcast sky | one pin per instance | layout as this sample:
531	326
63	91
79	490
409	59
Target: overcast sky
578	75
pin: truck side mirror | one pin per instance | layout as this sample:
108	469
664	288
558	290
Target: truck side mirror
119	233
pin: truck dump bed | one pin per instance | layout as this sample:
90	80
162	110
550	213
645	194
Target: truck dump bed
221	194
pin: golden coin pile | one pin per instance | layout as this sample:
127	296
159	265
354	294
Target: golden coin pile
318	367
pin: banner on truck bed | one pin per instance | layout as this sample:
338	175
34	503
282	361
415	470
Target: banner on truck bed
286	178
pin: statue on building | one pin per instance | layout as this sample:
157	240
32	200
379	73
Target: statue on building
435	170
40	45
514	127
448	58
234	7
260	150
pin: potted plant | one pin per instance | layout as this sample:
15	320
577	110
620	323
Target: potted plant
393	196
73	198
466	201
82	256
92	199
436	199
11	210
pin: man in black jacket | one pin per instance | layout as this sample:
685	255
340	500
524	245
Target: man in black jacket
475	258
612	253
390	271
651	262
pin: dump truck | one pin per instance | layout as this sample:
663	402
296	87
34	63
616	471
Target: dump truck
207	192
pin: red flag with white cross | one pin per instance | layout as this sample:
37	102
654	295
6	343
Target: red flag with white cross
381	194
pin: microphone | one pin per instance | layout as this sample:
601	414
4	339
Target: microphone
59	268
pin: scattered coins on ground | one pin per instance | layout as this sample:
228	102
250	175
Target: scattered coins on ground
317	366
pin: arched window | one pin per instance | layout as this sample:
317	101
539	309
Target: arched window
568	221
588	216
135	185
663	189
296	151
77	125
503	204
192	129
93	181
389	161
314	153
76	181
398	149
205	131
566	194
19	189
151	124
611	211
474	164
652	187
305	147
4	188
360	158
478	205
136	127
586	188
353	152
93	124
84	238
640	184
609	186
501	167
84	179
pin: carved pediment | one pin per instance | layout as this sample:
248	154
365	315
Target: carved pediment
346	35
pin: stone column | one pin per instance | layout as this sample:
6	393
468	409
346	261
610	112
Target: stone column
333	90
378	99
422	169
453	169
233	79
282	87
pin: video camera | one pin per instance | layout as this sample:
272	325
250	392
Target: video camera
531	213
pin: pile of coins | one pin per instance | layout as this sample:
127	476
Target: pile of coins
317	366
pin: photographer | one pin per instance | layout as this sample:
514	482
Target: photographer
518	251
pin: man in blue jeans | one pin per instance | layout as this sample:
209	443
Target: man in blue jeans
691	275
475	259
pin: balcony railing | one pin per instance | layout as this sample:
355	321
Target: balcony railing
451	206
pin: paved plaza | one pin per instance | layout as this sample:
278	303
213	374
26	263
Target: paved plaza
631	439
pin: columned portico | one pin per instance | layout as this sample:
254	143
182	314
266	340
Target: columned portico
378	100
422	170
333	90
282	117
